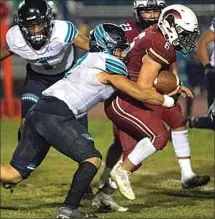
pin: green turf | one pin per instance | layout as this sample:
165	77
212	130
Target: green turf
156	184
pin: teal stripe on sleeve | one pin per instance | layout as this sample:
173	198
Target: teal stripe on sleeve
117	62
74	32
115	70
69	32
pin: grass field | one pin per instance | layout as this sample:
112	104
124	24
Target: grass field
157	184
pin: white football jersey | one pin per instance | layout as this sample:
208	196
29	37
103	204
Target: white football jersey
80	89
212	28
55	57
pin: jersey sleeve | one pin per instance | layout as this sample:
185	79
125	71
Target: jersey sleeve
212	27
14	40
162	51
115	66
70	33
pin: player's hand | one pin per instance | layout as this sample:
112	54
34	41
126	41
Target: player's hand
176	91
186	91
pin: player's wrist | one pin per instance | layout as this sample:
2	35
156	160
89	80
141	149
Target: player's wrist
168	101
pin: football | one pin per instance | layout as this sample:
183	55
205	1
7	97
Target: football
166	82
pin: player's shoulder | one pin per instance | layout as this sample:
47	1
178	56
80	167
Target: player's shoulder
113	65
14	38
64	31
161	49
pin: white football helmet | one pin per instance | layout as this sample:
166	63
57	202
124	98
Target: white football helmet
146	5
179	26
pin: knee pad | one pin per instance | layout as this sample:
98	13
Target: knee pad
28	100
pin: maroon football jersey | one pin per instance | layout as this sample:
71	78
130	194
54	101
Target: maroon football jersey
132	29
151	42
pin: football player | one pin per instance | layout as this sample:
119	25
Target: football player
46	45
188	177
146	13
53	120
154	49
209	64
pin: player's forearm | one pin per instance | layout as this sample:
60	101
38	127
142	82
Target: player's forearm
132	89
202	53
82	42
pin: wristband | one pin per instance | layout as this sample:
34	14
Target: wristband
168	101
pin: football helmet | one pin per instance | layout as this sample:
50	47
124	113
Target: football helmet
179	26
108	38
142	7
34	20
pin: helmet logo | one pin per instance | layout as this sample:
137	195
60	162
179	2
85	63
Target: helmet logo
30	18
173	12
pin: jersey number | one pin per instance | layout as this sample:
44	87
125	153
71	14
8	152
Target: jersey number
126	27
46	65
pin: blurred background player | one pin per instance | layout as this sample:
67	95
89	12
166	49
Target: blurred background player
179	133
46	45
209	65
146	13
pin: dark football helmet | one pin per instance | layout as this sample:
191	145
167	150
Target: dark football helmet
143	7
108	38
34	20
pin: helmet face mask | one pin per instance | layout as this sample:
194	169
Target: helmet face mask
34	20
179	25
147	12
186	41
109	38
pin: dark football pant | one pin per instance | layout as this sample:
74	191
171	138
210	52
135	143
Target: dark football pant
51	123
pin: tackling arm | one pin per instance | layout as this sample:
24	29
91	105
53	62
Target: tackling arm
132	89
82	42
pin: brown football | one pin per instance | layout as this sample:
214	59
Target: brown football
166	82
